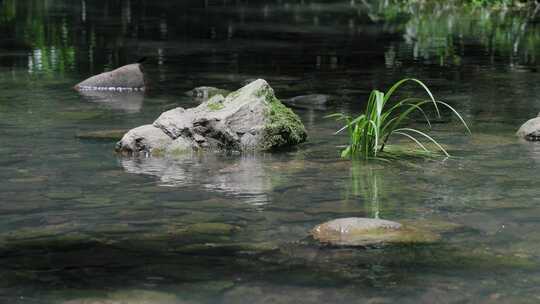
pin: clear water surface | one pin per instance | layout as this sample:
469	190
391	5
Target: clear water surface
78	224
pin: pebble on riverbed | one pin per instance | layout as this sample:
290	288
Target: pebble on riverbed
357	231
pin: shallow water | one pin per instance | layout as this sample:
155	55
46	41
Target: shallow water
80	224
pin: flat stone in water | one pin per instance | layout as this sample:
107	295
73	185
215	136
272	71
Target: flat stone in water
112	135
356	231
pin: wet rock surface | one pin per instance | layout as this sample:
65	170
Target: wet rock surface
126	78
251	118
530	130
357	231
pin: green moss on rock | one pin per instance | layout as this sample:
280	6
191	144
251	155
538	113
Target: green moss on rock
284	127
215	106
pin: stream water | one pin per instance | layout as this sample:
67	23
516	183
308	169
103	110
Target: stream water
79	224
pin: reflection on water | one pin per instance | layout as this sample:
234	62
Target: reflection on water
130	102
77	222
366	182
63	38
245	177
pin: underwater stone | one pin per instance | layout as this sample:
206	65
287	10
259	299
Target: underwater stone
356	231
251	118
128	76
102	135
134	296
211	228
311	101
530	130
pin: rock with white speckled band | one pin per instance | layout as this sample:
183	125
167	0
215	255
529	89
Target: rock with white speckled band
126	78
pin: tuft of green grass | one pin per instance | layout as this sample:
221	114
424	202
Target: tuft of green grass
370	131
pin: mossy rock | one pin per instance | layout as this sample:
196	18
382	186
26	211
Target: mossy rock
283	126
249	119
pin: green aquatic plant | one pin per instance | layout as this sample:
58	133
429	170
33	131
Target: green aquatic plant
370	131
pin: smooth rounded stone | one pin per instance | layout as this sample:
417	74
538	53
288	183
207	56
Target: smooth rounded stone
129	76
249	119
144	139
530	130
111	135
357	231
206	93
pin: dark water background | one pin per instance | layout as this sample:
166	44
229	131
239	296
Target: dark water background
80	225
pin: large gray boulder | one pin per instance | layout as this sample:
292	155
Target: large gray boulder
129	78
250	119
530	130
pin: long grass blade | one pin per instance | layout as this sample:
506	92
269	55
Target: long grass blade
413	139
457	114
350	123
403	81
426	136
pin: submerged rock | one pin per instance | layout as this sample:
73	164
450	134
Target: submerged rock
126	78
312	101
356	231
251	118
102	135
530	130
134	296
205	93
